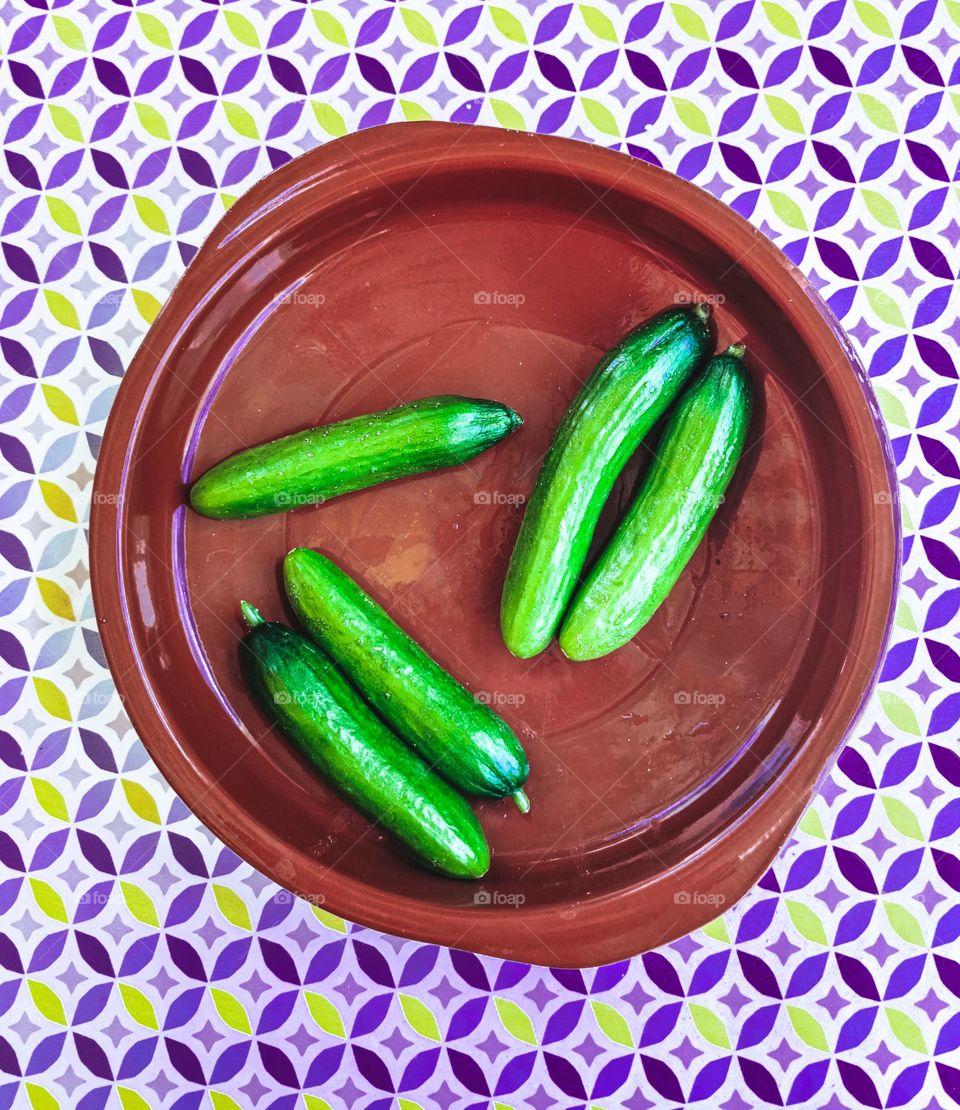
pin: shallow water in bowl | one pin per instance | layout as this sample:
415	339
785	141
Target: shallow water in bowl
620	747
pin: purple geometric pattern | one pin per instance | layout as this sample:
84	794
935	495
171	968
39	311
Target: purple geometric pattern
141	964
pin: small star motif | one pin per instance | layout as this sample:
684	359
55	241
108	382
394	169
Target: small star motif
164	878
929	897
396	1043
904	184
118	827
532	93
920	582
851	42
831	789
922	686
881	950
77	674
116	1031
305	934
116	929
783	948
444	992
444	1096
69	1081
255	986
686	1052
879	844
72	876
623	93
71	977
209	932
909	283
638	1101
637	998
734	999
349	988
207	1036
927	792
256	1091
833	1002
668	45
27	825
763	138
783	1054
541	1100
163	981
876	738
931	1004
883	1058
491	1046
736	1102
349	1094
832	896
23	1027
442	96
686	947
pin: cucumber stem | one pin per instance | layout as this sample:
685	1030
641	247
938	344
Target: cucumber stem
736	350
702	310
523	802
252	616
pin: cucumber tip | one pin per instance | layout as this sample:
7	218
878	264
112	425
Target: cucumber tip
521	800
702	309
251	615
736	350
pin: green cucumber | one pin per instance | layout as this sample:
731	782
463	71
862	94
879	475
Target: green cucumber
315	706
695	461
619	403
459	737
312	466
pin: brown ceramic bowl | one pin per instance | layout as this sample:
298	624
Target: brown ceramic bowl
429	258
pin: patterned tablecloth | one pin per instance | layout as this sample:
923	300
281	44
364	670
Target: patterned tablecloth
141	963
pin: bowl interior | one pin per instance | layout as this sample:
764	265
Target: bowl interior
507	283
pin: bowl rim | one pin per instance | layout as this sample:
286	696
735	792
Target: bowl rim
631	917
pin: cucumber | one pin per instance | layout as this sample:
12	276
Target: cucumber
463	740
693	466
312	466
315	706
619	403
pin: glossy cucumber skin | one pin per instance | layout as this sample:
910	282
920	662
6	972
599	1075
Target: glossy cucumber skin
622	399
338	732
460	738
314	465
695	461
